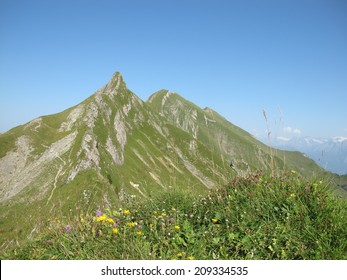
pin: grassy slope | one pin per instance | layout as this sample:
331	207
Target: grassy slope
227	142
258	217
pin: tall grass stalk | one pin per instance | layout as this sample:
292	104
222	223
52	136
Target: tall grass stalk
270	144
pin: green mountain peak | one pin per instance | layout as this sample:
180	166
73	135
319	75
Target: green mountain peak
113	147
116	82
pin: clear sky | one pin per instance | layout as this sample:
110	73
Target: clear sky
238	57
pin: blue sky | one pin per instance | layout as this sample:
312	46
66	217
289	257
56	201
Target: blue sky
237	57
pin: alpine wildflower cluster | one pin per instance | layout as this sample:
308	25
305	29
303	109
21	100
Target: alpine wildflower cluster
219	225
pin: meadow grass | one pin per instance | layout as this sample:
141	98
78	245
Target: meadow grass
255	217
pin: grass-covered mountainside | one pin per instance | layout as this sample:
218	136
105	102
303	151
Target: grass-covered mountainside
113	147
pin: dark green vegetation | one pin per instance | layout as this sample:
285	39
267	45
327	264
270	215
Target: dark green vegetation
114	146
257	217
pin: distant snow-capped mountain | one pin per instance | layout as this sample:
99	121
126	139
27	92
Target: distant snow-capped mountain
330	153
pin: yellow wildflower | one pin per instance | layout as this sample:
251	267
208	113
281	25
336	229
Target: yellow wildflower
179	255
132	224
101	218
126	212
139	233
191	258
115	230
177	228
293	171
214	221
109	220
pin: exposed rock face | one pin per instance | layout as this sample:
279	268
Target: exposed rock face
120	128
74	115
117	156
88	156
16	172
15	160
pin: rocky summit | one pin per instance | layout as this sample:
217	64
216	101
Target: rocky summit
113	146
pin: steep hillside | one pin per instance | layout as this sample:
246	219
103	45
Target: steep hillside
229	145
113	147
